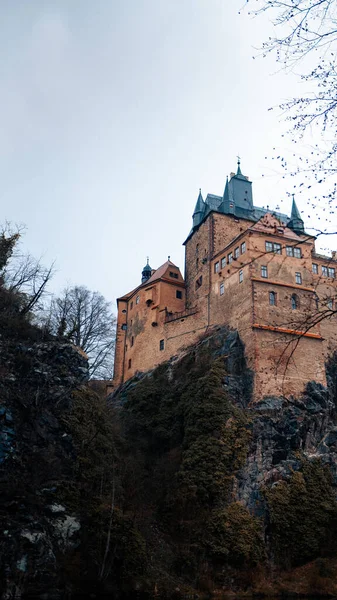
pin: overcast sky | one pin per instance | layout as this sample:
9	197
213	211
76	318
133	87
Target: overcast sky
115	112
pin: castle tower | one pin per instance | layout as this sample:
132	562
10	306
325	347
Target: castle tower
146	272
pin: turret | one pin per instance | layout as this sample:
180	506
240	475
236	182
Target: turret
240	190
227	204
146	272
296	222
199	210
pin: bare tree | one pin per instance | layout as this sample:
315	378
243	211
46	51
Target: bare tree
85	318
306	43
22	274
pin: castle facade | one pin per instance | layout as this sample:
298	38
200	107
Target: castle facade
252	269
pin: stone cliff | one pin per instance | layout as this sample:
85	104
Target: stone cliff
177	484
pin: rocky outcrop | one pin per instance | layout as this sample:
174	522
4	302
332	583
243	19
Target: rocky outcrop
36	461
282	430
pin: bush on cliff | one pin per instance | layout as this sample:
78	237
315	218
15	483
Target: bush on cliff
303	515
112	547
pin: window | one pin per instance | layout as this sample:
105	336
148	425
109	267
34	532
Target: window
241	276
264	272
298	278
330	303
174	275
243	247
272	298
132	341
229	258
179	294
137	299
198	283
129	363
222	289
124	327
315	268
161	345
223	262
271	247
237	252
291	251
131	306
325	271
294	302
331	272
216	267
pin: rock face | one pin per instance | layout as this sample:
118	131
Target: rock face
36	456
178	482
282	428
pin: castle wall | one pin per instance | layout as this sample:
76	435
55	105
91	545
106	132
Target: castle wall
120	342
225	228
283	365
197	268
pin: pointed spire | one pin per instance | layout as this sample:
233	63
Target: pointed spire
226	192
296	221
199	210
295	213
238	172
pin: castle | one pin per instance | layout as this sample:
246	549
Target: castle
252	269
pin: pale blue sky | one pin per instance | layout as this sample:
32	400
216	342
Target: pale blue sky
115	112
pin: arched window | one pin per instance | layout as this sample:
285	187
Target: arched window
272	298
294	302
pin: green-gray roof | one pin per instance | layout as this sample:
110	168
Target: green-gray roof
237	200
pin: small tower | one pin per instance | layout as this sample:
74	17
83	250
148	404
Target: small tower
199	210
296	222
146	272
227	204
